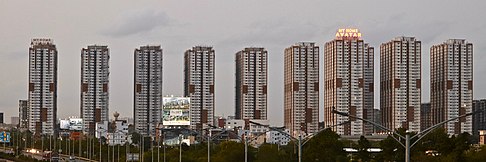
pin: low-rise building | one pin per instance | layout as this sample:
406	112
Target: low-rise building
115	132
276	137
482	137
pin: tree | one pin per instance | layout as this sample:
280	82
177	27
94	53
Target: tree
363	145
476	155
325	146
270	153
461	144
136	138
231	151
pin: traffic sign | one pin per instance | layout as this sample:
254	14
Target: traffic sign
5	137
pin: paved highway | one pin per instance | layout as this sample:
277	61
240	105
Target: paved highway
37	155
5	160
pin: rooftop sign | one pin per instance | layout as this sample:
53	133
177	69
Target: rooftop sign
348	33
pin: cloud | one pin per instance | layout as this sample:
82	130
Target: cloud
136	22
271	33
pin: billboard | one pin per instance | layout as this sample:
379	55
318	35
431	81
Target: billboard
4	137
176	110
71	124
64	124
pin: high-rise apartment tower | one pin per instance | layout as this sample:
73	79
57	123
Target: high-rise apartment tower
348	83
42	98
94	86
199	74
251	84
301	88
400	83
451	84
147	104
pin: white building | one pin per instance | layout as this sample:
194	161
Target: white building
400	83
244	126
301	88
199	76
348	82
117	134
94	86
188	140
147	89
275	137
42	97
251	84
451	82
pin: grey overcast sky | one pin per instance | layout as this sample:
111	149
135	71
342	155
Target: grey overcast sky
228	26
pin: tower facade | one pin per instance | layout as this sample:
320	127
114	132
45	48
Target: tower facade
95	75
147	104
251	84
479	120
199	73
42	100
400	83
301	88
348	83
23	114
451	84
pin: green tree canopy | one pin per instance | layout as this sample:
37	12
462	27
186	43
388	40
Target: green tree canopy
325	147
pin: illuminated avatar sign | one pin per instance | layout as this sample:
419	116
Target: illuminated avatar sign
348	33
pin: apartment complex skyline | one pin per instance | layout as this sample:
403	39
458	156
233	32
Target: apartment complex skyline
400	83
147	95
251	83
451	84
199	82
95	76
301	88
42	92
348	83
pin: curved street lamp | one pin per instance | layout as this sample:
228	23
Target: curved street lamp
99	138
299	139
407	137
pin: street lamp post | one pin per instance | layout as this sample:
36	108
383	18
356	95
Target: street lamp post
300	147
163	143
180	147
142	151
246	147
407	137
151	149
113	147
42	141
126	148
158	145
209	145
301	142
99	138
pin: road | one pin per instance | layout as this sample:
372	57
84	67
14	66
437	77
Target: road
37	155
5	160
